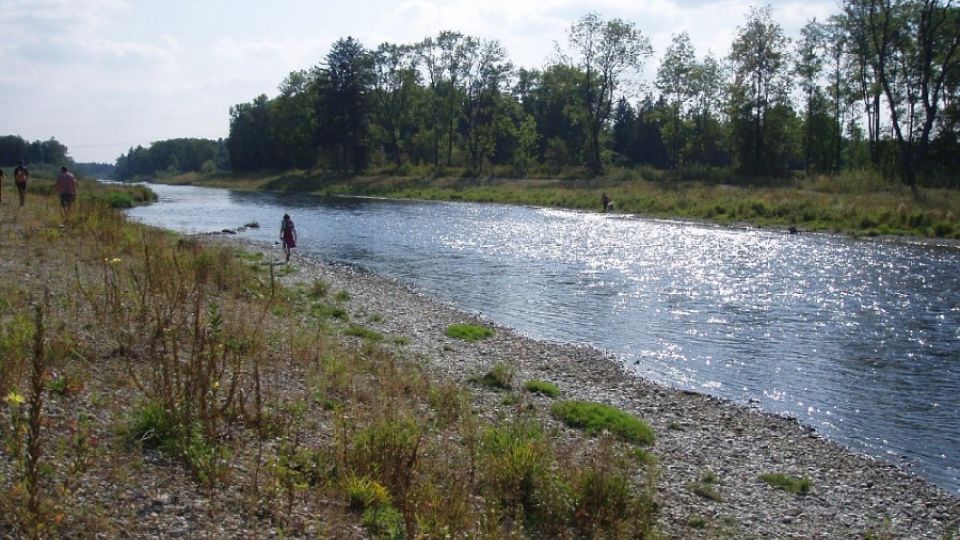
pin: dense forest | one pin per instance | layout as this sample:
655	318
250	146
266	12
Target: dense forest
14	148
173	156
874	86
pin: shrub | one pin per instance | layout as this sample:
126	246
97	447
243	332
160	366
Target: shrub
387	451
152	426
542	387
515	460
468	332
499	376
788	483
364	493
596	417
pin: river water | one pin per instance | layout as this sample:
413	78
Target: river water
858	339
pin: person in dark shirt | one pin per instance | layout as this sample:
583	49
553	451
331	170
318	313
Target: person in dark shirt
288	235
20	176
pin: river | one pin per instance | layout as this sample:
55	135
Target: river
858	339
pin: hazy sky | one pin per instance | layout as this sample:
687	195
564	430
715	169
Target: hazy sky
104	75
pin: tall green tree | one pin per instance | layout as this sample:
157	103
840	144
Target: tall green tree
912	47
759	96
347	77
485	73
603	51
395	83
249	143
675	84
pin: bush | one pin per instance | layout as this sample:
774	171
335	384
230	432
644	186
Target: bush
468	332
595	418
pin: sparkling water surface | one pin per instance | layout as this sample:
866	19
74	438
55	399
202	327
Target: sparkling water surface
858	339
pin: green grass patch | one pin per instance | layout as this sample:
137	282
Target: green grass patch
791	484
468	332
342	296
542	387
594	418
363	333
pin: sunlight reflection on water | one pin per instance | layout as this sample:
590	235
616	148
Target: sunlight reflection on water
858	339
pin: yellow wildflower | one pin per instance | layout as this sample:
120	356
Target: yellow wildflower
14	399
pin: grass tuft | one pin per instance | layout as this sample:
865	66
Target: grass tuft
542	387
468	332
790	484
595	418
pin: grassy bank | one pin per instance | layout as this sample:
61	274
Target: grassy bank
140	370
856	203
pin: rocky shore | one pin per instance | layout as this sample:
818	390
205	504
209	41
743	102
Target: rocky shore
699	439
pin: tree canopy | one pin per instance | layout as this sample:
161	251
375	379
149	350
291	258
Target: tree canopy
876	85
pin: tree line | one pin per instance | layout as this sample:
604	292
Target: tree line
874	86
14	148
172	156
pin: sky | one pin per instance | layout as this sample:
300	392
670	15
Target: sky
102	76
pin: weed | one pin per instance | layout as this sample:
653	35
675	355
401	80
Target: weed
697	521
468	332
707	491
596	417
342	296
401	340
364	493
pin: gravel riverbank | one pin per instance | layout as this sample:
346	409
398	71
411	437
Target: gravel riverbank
700	440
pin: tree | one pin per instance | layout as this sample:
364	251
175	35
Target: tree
605	50
809	68
294	122
394	89
485	71
674	82
344	108
760	63
912	47
249	143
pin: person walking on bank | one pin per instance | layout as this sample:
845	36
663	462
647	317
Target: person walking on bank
20	176
288	235
66	186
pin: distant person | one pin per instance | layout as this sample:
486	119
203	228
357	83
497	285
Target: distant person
20	176
605	202
288	235
66	186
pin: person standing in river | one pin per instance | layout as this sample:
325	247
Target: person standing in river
20	176
288	235
605	202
